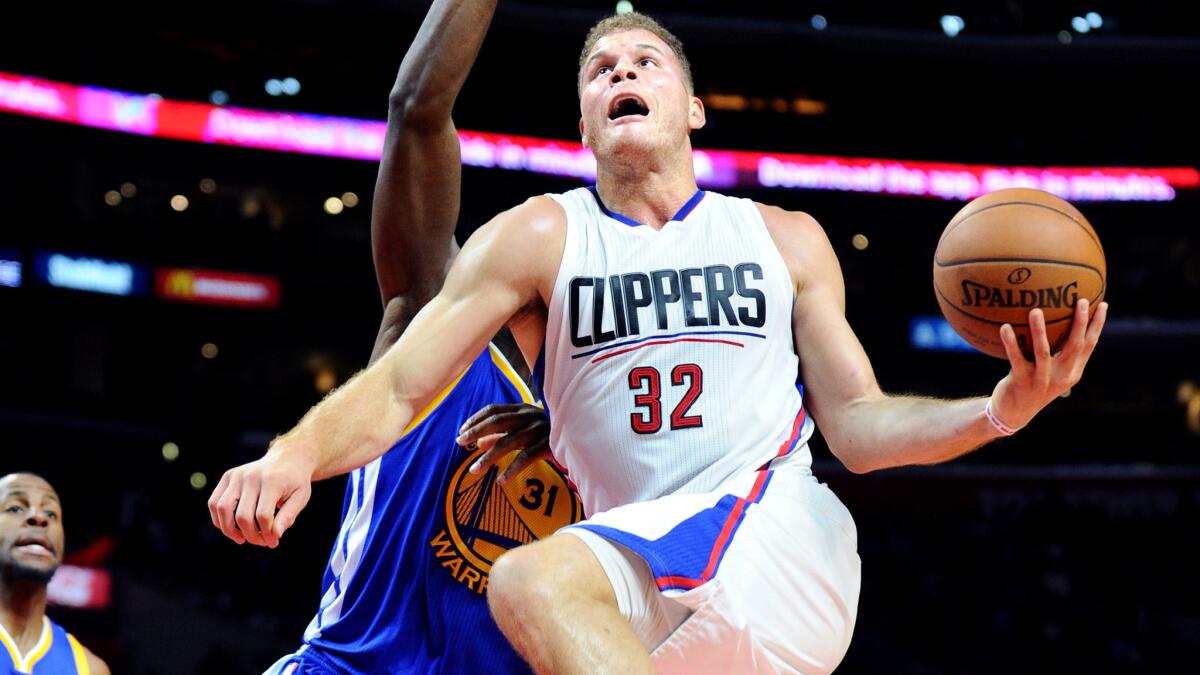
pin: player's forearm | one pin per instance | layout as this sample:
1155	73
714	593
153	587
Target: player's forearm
352	426
437	64
888	431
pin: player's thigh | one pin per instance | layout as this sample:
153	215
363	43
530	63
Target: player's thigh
558	568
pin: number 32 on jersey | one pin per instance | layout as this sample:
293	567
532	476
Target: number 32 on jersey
647	384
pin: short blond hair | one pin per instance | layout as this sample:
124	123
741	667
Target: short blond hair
634	21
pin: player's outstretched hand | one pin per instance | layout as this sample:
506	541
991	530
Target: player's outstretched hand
501	428
1032	385
259	501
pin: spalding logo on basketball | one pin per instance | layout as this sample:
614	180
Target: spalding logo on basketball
484	519
1008	252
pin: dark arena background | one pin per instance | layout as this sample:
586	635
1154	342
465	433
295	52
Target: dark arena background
185	267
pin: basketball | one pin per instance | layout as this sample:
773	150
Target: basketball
1008	252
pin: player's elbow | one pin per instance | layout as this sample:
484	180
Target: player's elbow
417	111
855	462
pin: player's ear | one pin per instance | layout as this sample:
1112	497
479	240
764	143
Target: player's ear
696	118
582	132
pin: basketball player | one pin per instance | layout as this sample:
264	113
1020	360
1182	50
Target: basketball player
665	323
404	588
31	547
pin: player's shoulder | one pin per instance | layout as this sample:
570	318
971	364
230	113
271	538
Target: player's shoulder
799	237
537	217
96	665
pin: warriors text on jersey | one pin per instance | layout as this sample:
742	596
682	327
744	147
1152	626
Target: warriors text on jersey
57	652
669	364
404	589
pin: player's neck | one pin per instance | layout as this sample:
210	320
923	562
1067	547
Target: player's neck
651	196
22	606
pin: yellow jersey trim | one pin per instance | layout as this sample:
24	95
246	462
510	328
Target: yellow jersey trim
11	646
510	372
81	661
428	410
20	663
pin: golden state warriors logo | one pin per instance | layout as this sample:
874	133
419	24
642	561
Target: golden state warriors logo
484	519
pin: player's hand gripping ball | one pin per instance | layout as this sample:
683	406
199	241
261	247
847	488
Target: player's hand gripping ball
1010	251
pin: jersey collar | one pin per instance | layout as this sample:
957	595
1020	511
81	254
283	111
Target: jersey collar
683	212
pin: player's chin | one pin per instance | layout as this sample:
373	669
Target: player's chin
39	571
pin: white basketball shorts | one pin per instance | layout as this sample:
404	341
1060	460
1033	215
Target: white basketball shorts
759	576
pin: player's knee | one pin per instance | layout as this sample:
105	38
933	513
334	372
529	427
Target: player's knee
530	580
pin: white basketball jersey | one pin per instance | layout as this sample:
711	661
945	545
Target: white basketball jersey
669	365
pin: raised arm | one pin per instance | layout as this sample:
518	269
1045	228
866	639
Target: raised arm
867	429
417	190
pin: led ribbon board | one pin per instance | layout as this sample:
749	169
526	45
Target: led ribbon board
151	115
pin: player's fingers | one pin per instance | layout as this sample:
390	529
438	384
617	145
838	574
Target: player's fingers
540	450
515	440
1096	325
269	496
244	518
290	509
227	506
488	420
487	442
214	500
1079	325
1041	343
1020	365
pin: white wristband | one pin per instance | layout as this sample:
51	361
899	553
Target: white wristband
1000	426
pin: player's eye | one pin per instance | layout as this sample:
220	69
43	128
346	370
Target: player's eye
646	62
52	515
13	509
604	70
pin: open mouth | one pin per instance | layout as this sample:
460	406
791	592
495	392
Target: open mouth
34	546
625	106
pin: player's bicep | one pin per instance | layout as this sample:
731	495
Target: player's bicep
835	368
489	281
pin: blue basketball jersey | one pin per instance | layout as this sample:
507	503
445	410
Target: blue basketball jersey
57	652
404	588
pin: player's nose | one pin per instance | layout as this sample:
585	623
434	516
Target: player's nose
623	71
36	519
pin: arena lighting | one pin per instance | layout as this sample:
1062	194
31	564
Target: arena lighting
350	199
930	333
624	7
819	22
128	190
218	97
90	274
274	87
179	203
1064	37
170	451
209	351
10	268
952	25
213	287
198	480
1094	20
1081	25
290	86
363	139
112	198
860	242
334	206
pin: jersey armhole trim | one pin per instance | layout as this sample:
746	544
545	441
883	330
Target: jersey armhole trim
428	409
510	373
81	661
